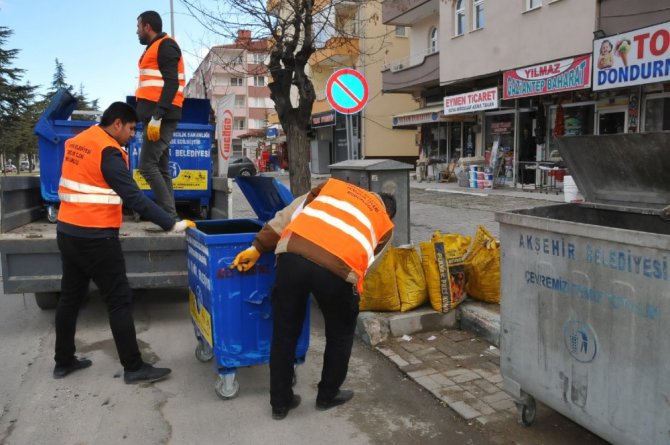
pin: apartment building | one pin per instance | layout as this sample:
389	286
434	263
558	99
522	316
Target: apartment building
236	73
512	76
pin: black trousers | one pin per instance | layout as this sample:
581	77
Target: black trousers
296	279
100	260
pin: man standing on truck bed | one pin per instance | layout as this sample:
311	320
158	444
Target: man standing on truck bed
94	185
160	96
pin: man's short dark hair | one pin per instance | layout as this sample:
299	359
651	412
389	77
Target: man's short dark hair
118	110
153	19
390	204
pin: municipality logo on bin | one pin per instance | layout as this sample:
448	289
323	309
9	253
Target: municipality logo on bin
580	339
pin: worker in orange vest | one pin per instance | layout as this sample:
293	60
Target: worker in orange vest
160	96
95	183
325	242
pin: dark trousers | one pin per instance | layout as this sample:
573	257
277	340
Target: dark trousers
155	166
296	279
100	260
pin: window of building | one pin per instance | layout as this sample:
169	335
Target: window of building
259	58
259	81
259	102
477	14
400	31
257	123
459	26
240	101
238	123
532	4
434	41
657	113
236	81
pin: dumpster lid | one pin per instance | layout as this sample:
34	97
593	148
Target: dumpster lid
371	164
626	172
60	107
265	194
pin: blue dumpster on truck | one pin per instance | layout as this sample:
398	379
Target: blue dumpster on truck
231	310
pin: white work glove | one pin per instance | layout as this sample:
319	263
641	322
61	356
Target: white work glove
246	259
154	129
182	225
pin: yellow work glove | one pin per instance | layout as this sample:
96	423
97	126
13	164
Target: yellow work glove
182	225
154	129
246	259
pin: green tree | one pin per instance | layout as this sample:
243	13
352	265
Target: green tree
16	99
85	104
58	81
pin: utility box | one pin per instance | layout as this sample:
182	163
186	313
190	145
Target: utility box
319	157
381	175
586	295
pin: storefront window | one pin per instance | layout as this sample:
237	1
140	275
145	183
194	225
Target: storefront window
657	114
455	140
577	120
500	135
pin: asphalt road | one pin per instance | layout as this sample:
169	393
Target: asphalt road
94	406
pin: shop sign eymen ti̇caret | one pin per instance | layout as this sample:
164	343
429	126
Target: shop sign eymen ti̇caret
474	101
547	78
632	58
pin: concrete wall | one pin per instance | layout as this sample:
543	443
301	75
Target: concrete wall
513	37
624	15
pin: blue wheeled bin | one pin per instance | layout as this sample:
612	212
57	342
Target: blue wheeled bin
53	128
190	156
231	310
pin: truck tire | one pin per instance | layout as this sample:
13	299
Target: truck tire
47	300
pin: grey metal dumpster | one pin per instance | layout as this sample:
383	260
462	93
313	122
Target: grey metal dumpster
585	310
381	175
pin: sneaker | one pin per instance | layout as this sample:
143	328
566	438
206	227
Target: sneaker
146	374
281	412
75	365
342	397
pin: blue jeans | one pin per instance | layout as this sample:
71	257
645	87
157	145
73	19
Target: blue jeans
155	166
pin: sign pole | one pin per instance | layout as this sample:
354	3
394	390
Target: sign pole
350	141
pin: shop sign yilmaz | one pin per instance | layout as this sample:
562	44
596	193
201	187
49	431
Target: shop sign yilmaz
632	58
547	78
474	101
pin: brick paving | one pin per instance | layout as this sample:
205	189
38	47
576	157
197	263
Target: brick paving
457	367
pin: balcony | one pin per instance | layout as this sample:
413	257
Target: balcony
337	51
408	12
412	74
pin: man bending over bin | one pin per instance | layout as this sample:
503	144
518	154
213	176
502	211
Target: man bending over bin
325	241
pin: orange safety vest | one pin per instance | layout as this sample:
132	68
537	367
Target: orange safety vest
151	80
86	200
346	221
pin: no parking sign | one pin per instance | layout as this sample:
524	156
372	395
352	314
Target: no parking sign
347	91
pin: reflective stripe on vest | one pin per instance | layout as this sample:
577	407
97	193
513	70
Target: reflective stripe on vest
344	220
88	193
151	82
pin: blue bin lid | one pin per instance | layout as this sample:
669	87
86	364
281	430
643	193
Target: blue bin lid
265	194
60	107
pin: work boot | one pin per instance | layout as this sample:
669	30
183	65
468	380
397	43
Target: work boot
61	371
281	412
342	397
146	374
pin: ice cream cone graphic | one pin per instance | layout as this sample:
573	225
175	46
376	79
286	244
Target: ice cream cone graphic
622	48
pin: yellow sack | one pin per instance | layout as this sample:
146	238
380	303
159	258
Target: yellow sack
379	292
442	260
409	278
482	267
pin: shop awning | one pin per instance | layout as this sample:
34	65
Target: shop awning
428	115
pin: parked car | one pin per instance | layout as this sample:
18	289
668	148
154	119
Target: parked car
9	168
241	167
24	166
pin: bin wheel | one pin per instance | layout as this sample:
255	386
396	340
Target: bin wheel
204	212
227	386
204	352
47	300
136	217
52	214
526	412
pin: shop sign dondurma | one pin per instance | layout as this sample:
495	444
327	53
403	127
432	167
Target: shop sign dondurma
547	78
632	58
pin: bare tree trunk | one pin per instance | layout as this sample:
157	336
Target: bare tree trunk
298	160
